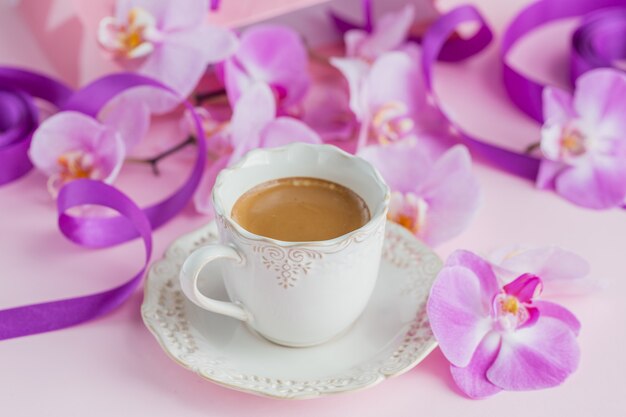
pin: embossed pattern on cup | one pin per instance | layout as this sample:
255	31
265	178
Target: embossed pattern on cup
296	293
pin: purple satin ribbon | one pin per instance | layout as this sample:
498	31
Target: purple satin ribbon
454	49
599	41
19	116
525	92
102	231
432	45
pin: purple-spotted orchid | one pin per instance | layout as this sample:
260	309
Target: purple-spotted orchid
499	337
166	40
583	140
254	124
434	199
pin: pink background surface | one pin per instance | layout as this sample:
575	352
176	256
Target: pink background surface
113	366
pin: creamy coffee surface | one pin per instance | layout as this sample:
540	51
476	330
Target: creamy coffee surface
300	209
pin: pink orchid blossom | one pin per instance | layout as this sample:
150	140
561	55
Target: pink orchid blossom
274	55
70	145
583	140
389	98
499	337
253	125
166	40
389	33
563	272
434	199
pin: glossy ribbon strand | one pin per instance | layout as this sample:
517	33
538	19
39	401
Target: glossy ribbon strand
525	92
101	232
19	116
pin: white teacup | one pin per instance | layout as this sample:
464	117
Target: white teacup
293	293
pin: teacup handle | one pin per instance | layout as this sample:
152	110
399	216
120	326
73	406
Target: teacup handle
189	279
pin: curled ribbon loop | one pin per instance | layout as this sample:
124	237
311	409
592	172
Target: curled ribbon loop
53	315
101	232
19	116
432	45
98	232
455	48
525	92
599	41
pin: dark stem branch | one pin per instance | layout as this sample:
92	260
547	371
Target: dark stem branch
210	96
532	148
154	161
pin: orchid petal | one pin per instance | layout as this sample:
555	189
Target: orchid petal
549	309
600	101
483	270
286	130
459	312
524	288
558	105
177	66
562	272
271	54
71	132
599	183
390	32
452	193
215	44
171	15
396	77
355	71
472	379
253	112
533	317
548	171
202	198
535	357
402	166
129	117
181	59
353	39
551	138
327	111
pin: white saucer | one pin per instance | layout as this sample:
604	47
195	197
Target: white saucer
390	337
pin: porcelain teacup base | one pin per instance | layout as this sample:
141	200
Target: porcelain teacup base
293	293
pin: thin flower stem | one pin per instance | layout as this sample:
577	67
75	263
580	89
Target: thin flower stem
532	148
211	97
154	161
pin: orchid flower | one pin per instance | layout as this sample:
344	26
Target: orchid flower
563	272
389	33
434	199
71	145
499	337
253	125
583	140
274	55
389	98
166	40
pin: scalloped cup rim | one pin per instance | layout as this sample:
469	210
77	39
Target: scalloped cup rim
379	214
